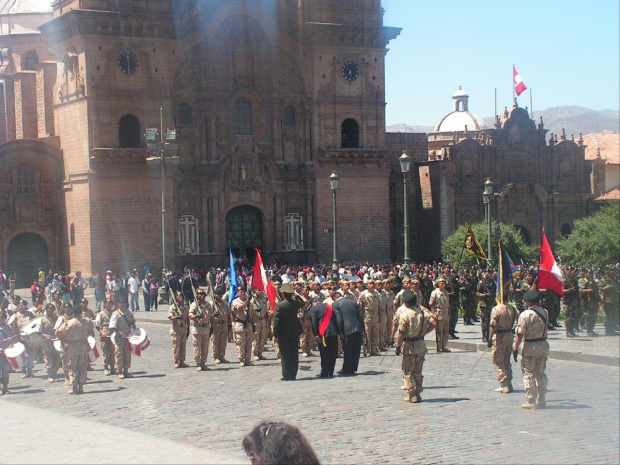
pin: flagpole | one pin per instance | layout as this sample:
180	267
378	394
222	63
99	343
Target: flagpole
531	107
495	106
513	82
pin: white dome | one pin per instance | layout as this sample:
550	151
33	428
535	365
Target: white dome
457	120
460	93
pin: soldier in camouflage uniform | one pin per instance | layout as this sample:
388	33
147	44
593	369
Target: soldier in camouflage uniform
590	301
610	288
485	292
261	309
570	302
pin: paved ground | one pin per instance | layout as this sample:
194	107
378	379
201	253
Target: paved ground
183	416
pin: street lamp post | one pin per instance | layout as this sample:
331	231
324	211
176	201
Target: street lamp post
405	162
333	182
487	195
162	146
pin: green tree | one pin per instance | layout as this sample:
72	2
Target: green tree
595	240
452	246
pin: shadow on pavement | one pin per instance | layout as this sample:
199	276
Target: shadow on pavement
446	399
136	375
371	373
443	387
103	381
102	391
566	406
27	391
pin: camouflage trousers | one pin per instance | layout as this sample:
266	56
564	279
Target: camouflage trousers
52	359
371	322
200	341
179	346
502	350
243	341
107	352
220	339
260	337
122	356
307	338
534	377
382	330
77	369
412	372
571	315
442	331
276	346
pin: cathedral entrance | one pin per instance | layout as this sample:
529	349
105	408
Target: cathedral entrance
27	253
244	231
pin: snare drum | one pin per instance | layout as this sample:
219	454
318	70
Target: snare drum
32	333
16	355
139	341
93	354
57	345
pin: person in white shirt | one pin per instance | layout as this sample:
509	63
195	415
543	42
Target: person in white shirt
133	286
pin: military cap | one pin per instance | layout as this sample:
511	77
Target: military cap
370	281
56	292
532	295
218	291
409	296
415	280
201	292
442	278
406	280
84	301
287	288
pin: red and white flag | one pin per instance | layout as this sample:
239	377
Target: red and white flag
549	273
261	282
519	84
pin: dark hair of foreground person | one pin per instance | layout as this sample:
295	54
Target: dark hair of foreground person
274	443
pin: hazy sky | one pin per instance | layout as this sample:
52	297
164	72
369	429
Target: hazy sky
566	51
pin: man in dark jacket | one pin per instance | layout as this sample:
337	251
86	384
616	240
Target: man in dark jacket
286	331
325	329
350	323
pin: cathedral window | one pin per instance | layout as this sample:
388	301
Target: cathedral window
242	117
566	229
129	132
350	134
294	232
290	117
189	235
32	59
24	177
185	114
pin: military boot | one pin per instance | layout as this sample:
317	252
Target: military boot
542	403
531	404
5	388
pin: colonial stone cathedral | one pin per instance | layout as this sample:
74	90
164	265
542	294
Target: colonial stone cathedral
225	118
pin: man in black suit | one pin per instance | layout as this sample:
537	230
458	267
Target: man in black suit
350	323
325	329
286	331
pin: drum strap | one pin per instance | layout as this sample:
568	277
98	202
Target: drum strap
128	324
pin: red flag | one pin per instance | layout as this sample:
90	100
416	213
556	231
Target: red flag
549	273
261	282
519	84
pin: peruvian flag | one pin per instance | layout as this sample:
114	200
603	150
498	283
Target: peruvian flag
519	84
549	274
261	282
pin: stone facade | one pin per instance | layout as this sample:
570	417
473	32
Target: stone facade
539	180
267	98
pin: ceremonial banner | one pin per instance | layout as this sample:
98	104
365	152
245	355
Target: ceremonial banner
519	84
473	246
261	282
549	273
233	283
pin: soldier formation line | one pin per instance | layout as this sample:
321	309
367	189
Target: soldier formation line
360	314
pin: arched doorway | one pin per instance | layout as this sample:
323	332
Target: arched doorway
27	253
244	231
525	234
